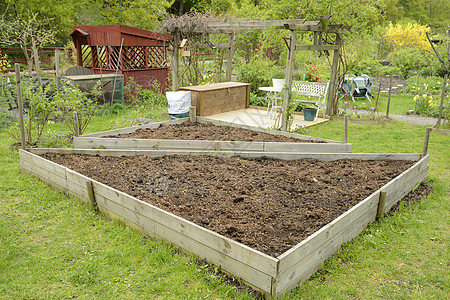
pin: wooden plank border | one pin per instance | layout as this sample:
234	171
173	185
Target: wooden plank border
227	154
253	266
98	140
301	261
274	276
158	144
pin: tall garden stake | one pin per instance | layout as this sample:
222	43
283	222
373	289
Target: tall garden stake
417	87
389	96
441	107
57	69
36	62
345	128
20	107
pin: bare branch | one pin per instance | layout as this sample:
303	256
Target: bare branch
437	54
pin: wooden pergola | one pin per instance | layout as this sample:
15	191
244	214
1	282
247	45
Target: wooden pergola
231	27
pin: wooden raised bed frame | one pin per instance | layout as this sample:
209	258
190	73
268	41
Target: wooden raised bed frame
273	276
98	140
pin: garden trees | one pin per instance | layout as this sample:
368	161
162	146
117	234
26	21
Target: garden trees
59	16
143	14
23	32
435	13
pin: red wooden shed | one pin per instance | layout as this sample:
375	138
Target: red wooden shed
138	53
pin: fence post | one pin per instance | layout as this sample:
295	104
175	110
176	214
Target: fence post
417	89
36	62
345	128
230	56
389	96
20	107
441	107
57	69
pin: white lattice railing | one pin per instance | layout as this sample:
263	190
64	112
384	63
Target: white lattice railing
311	89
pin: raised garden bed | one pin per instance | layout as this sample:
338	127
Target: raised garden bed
317	229
207	134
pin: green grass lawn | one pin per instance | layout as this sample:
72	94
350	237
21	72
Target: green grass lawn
52	246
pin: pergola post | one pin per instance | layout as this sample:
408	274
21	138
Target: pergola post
334	68
230	56
288	77
176	45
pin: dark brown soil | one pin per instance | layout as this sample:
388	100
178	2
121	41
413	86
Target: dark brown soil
267	204
199	131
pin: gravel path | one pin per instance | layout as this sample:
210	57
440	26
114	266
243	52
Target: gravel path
419	120
428	121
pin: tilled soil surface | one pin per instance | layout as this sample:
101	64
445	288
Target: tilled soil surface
267	204
199	131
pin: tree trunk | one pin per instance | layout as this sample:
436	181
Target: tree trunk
181	8
27	58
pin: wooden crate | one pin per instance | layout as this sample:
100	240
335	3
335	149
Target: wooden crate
98	140
273	275
216	98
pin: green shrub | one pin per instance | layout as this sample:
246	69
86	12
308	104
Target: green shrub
116	108
6	119
409	60
71	99
425	105
258	100
366	66
257	73
137	96
433	85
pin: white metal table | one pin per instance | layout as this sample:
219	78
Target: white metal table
272	106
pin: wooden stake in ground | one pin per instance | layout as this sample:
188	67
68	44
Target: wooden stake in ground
20	107
375	108
174	67
57	69
115	72
425	142
381	205
36	62
389	96
288	78
230	56
345	128
193	114
441	107
417	89
75	124
91	195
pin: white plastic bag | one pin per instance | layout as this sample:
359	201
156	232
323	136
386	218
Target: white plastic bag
178	102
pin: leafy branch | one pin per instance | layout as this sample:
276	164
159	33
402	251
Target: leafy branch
21	32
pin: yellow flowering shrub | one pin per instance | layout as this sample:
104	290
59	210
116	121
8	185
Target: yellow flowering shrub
409	35
424	105
4	63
